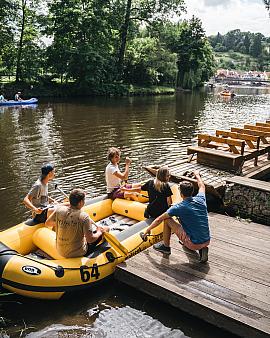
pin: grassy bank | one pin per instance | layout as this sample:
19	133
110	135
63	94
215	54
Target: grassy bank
74	90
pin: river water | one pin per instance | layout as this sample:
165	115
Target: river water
75	136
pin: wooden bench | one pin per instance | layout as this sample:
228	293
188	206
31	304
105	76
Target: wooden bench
254	149
262	124
263	132
219	152
263	135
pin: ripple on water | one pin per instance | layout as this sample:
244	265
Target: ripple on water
110	323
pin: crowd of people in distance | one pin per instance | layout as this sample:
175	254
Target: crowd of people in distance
77	235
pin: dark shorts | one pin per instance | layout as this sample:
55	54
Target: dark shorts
92	246
117	193
41	218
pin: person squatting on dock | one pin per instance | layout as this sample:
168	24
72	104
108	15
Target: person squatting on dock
75	232
192	227
114	176
38	199
159	193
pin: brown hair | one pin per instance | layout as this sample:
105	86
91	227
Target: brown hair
186	188
162	177
113	151
76	196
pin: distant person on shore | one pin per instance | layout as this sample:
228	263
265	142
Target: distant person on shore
38	199
192	227
114	176
2	98
159	193
76	235
17	96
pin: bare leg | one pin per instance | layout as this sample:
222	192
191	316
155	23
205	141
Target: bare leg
166	233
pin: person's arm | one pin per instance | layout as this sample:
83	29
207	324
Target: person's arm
124	176
169	200
137	189
199	181
51	220
156	222
28	203
91	235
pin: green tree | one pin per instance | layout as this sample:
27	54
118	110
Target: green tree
148	12
8	35
83	40
29	45
256	45
148	62
195	60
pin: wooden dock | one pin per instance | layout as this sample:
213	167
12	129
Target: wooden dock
231	291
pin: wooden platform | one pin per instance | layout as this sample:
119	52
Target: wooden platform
214	179
231	291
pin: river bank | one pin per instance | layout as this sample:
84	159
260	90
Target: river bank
75	90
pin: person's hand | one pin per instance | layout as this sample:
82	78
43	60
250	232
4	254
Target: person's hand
38	211
196	173
128	161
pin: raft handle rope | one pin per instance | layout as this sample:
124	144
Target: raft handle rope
60	270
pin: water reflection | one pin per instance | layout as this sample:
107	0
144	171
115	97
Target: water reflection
75	136
110	323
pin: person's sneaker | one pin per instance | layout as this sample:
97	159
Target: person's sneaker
162	248
203	255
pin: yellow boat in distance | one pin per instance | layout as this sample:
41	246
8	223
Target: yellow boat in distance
31	266
227	93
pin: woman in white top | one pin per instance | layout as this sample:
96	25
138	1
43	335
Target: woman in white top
114	176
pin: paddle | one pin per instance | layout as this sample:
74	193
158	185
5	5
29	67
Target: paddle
59	189
111	239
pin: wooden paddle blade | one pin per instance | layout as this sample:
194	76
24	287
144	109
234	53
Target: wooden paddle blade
114	242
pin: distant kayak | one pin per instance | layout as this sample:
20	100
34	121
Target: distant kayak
22	102
227	94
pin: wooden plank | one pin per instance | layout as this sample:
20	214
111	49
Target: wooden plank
263	135
258	128
261	124
249	182
246	137
234	288
198	149
224	140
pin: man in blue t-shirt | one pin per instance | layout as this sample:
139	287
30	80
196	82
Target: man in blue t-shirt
192	227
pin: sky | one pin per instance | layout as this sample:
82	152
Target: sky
223	16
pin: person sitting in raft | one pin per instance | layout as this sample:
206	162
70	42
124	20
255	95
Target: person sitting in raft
17	96
37	198
192	227
2	98
159	193
114	176
76	236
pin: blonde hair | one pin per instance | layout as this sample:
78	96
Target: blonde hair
162	177
113	151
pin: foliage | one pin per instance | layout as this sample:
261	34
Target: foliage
253	47
195	59
148	62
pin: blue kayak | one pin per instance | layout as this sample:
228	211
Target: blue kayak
22	102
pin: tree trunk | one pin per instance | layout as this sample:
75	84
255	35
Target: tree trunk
19	55
124	32
180	76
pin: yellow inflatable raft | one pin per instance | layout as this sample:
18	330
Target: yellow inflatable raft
31	266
